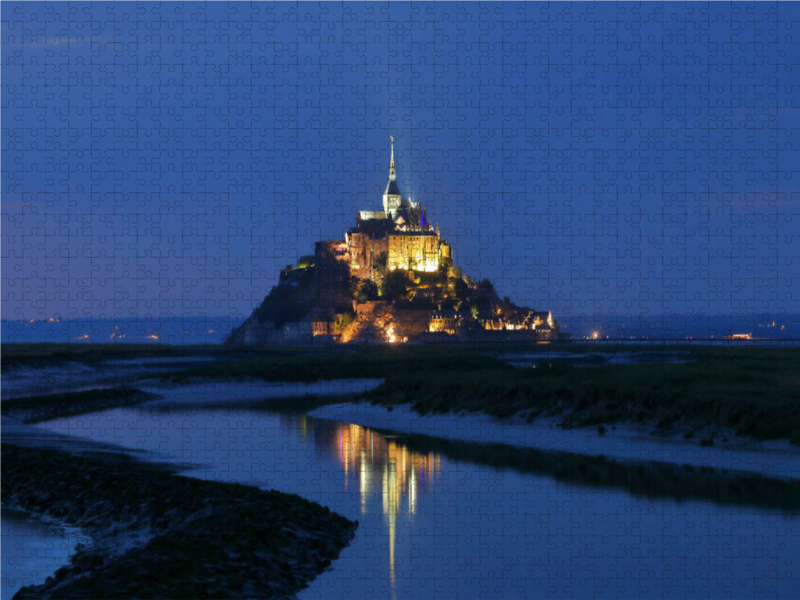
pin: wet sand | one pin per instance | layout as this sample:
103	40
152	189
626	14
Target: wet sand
777	459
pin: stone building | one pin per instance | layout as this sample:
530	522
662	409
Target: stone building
446	321
325	302
415	251
401	231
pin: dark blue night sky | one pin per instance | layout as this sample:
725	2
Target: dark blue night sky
168	158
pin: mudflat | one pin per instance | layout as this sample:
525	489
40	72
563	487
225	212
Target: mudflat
157	534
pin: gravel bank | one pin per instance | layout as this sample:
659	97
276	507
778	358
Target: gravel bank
33	409
160	535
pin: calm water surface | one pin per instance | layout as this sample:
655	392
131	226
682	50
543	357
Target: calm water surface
433	525
33	549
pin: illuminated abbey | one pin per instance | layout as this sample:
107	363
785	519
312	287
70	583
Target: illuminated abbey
391	279
401	231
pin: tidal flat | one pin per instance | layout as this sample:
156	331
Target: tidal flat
33	548
488	519
157	534
702	392
33	409
745	391
40	369
153	532
712	393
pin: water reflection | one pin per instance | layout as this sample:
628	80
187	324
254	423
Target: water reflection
374	456
32	549
406	467
456	519
379	464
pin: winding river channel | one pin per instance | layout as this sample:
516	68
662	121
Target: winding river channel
457	519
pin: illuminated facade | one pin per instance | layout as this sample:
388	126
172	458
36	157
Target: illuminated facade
429	300
417	251
401	231
446	321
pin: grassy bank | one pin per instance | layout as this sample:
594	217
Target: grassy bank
754	391
196	538
649	479
290	404
52	406
14	355
376	362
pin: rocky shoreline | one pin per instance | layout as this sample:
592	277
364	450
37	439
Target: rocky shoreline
157	534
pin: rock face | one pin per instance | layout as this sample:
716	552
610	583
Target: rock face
303	297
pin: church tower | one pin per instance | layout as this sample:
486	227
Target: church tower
392	198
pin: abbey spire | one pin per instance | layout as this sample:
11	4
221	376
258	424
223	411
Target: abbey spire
392	174
392	198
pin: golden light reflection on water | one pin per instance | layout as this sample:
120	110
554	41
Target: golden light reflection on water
375	457
399	471
378	465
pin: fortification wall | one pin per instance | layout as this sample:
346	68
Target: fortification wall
414	321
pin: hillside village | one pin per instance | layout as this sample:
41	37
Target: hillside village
391	279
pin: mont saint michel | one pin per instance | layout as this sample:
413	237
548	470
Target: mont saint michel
391	279
358	300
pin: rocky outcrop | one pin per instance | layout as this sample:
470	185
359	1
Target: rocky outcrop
285	316
414	321
408	302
